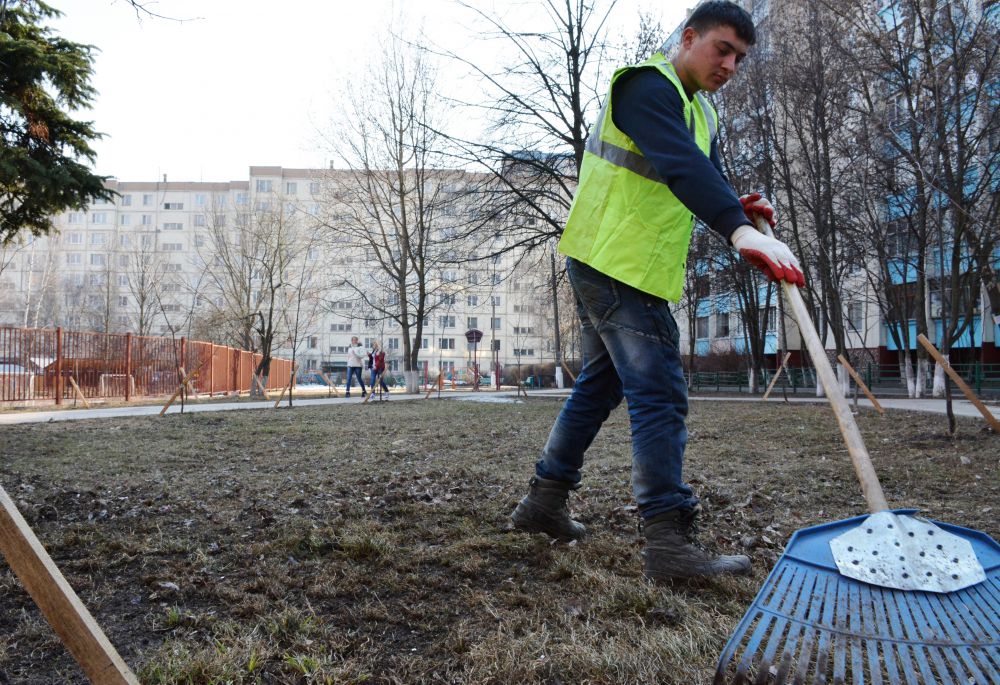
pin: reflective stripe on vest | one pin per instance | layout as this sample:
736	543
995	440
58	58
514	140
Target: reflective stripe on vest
633	161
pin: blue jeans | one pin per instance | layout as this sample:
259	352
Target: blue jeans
381	380
630	350
354	371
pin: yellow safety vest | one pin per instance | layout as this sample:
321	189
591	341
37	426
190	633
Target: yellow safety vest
625	222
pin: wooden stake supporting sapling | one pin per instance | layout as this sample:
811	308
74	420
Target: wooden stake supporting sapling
57	601
969	395
79	393
861	384
777	374
180	388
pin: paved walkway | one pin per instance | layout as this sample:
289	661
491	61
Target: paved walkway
961	407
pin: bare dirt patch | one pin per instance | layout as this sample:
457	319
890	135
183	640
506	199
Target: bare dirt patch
371	543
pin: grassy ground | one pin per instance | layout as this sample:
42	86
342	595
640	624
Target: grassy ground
371	543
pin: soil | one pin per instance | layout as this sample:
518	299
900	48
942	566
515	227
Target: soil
372	544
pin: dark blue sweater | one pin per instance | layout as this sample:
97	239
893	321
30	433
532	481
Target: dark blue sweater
649	110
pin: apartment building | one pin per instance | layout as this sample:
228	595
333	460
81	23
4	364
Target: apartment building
163	258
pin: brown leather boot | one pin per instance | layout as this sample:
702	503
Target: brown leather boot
673	552
544	510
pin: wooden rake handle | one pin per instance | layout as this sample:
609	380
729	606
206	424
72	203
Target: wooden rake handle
870	485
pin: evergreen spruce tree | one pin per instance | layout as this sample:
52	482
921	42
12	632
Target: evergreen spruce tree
44	153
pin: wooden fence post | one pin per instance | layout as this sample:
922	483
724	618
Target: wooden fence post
128	366
59	361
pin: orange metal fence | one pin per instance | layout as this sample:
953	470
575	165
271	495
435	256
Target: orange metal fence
46	364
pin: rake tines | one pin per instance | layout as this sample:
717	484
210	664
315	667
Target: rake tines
810	624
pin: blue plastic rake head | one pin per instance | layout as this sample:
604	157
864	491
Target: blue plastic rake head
810	624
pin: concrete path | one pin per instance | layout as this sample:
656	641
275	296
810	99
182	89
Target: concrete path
961	407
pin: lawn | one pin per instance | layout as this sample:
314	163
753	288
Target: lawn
371	544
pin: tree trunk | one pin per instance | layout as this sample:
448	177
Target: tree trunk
939	378
909	381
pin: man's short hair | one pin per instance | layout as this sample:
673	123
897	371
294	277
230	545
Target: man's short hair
709	15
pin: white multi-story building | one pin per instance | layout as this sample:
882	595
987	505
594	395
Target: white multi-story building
175	258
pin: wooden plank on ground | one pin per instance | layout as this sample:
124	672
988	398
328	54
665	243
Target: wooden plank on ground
861	383
969	395
57	601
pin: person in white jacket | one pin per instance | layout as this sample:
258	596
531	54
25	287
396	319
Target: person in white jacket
355	360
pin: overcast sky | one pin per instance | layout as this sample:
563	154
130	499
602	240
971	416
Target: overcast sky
247	82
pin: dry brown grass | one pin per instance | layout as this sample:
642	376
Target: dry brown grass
371	544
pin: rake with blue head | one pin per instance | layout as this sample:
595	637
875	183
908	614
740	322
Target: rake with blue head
886	598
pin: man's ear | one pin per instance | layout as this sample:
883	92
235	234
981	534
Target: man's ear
687	36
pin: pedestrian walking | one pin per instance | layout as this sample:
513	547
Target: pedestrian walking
355	360
377	356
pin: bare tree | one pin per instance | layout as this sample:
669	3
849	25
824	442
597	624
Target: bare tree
927	66
391	205
539	107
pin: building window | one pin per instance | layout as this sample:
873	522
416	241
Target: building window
147	219
99	218
524	330
495	300
241	198
147	200
173	205
314	188
125	219
495	323
73	258
496	346
701	327
425	344
856	315
446	321
74	218
291	187
446	298
199	199
472	322
173	247
722	325
472	300
340	327
123	261
122	281
524	352
446	343
97	259
173	226
313	254
313	342
393	343
126	201
98	238
263	186
122	300
199	241
75	239
199	219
